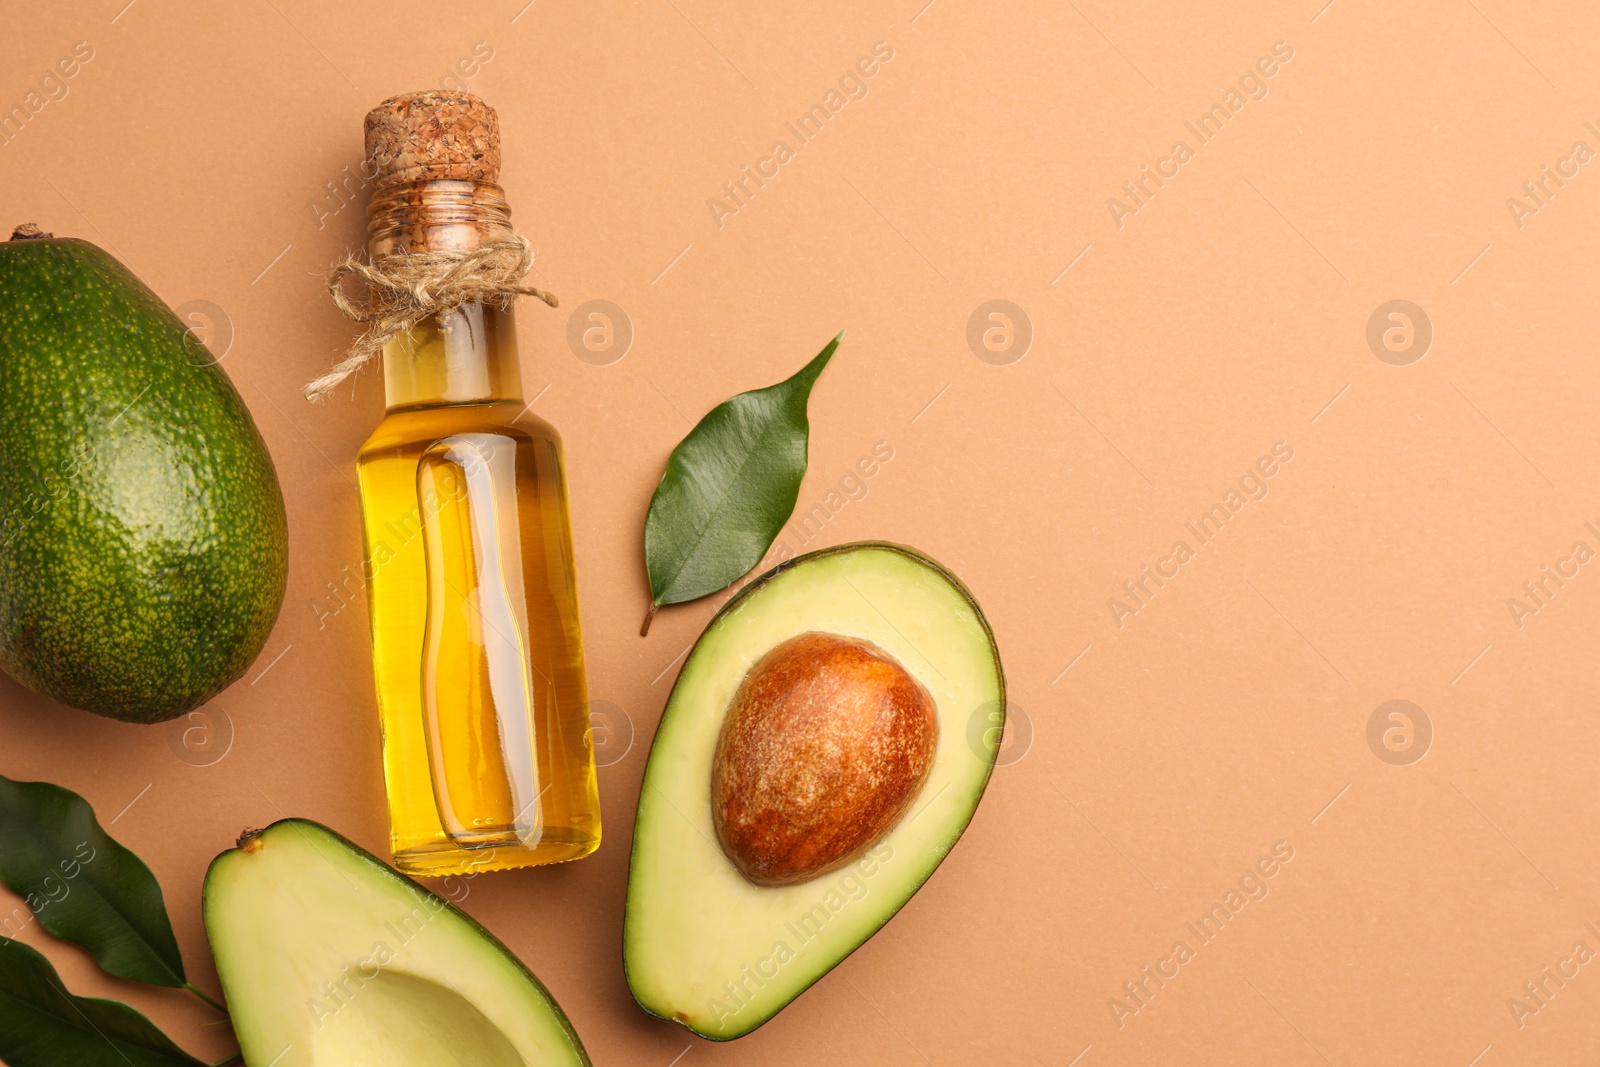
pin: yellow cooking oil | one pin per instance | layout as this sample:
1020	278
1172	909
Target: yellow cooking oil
472	592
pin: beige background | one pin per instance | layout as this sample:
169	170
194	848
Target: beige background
1229	313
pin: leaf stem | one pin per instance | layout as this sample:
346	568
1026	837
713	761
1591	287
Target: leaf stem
237	1057
190	986
644	631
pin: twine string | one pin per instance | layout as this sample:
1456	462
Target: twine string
400	291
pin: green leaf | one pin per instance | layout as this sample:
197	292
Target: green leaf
728	489
82	885
42	1025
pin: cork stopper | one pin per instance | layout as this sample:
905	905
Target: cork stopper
431	135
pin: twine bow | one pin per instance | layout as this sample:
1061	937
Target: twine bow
402	290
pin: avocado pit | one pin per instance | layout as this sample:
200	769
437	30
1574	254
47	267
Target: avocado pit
827	742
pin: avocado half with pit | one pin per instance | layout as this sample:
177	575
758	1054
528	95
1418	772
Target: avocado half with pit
329	957
826	744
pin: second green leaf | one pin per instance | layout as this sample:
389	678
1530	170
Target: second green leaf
728	489
83	886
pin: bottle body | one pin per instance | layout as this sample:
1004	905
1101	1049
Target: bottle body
472	596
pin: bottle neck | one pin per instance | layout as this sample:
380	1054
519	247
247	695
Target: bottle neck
469	355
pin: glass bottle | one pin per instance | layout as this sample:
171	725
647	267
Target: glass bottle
471	585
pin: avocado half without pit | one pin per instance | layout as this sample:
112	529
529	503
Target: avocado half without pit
813	766
329	957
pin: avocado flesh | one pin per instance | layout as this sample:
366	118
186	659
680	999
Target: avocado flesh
143	543
705	947
328	957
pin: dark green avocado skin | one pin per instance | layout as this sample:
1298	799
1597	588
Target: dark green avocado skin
143	543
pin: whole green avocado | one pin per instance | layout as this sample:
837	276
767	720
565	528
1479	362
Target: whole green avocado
143	543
